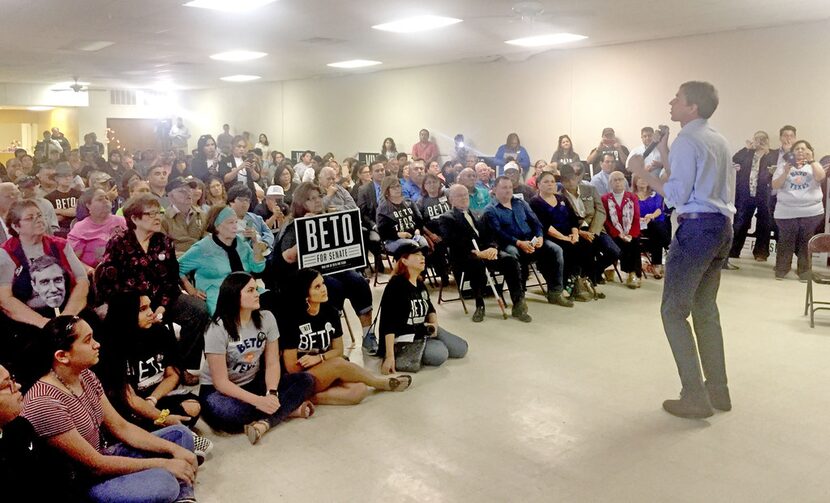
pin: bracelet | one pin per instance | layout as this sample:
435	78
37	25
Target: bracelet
153	400
162	417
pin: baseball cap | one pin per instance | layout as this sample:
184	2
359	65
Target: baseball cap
275	190
406	249
180	182
27	182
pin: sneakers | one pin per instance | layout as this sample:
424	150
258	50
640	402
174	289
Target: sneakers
658	272
630	281
559	299
520	311
370	344
478	316
201	447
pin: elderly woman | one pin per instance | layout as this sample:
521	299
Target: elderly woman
308	201
89	236
141	258
399	220
623	225
40	278
799	210
218	254
655	225
67	407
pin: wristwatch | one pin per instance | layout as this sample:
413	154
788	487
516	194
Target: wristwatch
274	392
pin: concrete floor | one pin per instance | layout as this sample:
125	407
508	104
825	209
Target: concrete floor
567	408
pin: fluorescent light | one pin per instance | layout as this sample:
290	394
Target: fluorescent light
238	55
416	24
228	5
39	109
542	40
240	78
95	46
354	63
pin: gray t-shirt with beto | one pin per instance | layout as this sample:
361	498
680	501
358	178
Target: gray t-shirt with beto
242	356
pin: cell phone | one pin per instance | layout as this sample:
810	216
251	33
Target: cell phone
789	158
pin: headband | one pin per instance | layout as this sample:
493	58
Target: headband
223	215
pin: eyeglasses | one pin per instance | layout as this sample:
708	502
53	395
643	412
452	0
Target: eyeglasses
12	386
151	214
37	216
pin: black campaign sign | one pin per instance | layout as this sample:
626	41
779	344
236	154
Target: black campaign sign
330	243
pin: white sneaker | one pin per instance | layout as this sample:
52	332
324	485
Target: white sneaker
201	447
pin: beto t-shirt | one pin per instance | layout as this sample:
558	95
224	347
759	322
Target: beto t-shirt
242	356
154	352
311	334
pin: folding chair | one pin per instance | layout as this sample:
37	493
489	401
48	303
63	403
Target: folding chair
820	243
349	328
460	297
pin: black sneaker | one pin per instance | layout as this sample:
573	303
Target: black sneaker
478	316
520	312
690	406
559	299
719	396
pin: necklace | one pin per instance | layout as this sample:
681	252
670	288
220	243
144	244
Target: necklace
64	384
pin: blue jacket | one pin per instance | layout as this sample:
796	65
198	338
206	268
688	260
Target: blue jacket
510	225
258	224
211	264
522	159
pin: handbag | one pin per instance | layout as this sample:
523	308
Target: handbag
409	356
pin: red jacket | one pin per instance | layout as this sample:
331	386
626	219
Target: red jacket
622	216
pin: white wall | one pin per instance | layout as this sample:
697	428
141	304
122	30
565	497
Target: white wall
765	77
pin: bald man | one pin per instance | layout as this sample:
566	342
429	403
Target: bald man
460	229
336	198
479	196
9	194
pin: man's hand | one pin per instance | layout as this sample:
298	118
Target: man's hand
587	236
525	246
637	165
488	254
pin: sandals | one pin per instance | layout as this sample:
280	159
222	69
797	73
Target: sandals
400	383
305	410
254	433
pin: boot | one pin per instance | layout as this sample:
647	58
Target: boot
581	291
719	396
629	281
691	405
478	315
559	299
520	310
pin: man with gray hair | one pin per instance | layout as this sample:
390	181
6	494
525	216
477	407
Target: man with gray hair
336	198
479	196
9	194
701	185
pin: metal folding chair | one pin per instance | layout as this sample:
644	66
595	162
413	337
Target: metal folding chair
820	243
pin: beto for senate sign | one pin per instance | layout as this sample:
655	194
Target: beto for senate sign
332	242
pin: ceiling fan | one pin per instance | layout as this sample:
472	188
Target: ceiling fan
75	86
535	12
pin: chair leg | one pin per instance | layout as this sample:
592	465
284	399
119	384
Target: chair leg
349	327
461	294
617	270
807	298
538	281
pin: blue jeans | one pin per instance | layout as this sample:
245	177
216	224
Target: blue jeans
445	345
549	258
696	255
349	285
229	414
155	485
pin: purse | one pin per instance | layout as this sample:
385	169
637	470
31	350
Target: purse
409	356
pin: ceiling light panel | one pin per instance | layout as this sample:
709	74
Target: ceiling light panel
240	78
354	63
545	40
228	5
238	55
417	24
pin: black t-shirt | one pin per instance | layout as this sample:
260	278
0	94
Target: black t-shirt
62	201
404	308
154	351
310	334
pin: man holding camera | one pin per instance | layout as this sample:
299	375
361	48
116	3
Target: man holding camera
609	144
701	186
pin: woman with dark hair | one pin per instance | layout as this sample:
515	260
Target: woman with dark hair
197	195
241	167
561	225
407	313
180	169
388	148
143	259
139	368
124	187
512	149
68	408
564	153
242	386
263	145
448	173
799	210
308	201
399	220
206	162
284	177
361	175
218	254
313	342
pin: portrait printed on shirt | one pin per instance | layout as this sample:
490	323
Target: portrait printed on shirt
49	284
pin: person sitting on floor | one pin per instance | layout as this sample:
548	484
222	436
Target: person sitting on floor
242	386
407	314
312	342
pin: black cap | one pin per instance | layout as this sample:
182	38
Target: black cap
179	182
406	249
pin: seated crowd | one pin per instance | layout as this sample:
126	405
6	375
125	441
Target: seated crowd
142	292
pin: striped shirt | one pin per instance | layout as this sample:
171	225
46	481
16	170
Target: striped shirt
52	411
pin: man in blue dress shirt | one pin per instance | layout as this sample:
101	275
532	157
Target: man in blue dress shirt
700	182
